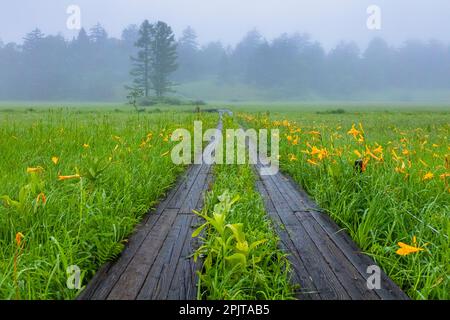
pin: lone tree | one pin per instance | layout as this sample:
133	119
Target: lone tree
156	59
142	63
164	54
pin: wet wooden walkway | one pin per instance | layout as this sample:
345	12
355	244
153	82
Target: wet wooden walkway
157	263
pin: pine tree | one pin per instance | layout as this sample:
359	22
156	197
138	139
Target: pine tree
32	40
142	63
97	34
164	62
83	39
188	51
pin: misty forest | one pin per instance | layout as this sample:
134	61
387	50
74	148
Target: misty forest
96	67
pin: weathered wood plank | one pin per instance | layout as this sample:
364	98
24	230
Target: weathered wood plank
389	290
103	281
160	275
183	286
345	271
194	195
299	274
184	189
132	279
326	282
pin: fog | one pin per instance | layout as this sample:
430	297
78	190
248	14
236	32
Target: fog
297	49
327	21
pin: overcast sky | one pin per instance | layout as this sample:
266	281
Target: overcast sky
327	21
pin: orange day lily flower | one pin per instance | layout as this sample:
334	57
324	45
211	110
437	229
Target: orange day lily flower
41	197
428	176
353	131
19	237
74	176
378	150
406	249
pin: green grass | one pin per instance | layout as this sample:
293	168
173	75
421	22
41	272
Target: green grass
240	251
403	193
125	171
125	167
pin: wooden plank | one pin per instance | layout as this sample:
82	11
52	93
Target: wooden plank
184	282
345	271
185	236
95	282
160	275
194	195
185	188
268	204
207	187
299	274
341	239
389	290
111	275
293	200
133	277
326	283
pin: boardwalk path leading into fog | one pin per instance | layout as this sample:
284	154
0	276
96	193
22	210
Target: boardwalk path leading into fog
157	262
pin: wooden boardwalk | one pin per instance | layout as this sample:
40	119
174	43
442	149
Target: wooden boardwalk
157	263
326	263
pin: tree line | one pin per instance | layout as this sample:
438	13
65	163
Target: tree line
95	66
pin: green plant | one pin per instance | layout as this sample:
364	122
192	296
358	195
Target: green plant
230	246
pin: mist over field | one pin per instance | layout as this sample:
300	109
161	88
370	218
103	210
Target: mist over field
230	51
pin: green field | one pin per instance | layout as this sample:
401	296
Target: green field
76	179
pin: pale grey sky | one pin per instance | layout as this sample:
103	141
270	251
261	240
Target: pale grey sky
327	21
